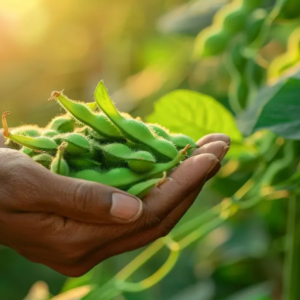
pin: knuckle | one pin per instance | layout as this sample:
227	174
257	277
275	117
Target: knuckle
81	195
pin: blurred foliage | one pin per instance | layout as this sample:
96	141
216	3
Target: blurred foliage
234	238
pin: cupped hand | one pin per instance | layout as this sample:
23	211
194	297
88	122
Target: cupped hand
72	225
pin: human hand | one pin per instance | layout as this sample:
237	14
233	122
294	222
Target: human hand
72	225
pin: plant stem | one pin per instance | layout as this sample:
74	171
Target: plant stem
292	262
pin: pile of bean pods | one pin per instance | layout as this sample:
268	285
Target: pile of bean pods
96	142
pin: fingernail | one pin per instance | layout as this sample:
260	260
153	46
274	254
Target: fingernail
224	152
214	162
125	207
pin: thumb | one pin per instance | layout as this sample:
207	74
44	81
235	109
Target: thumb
88	201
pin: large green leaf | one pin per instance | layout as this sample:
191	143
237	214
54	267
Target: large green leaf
276	108
194	114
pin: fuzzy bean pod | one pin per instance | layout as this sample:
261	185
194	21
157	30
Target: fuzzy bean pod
77	143
132	129
59	164
82	163
99	122
43	159
62	124
141	189
36	143
288	59
138	161
123	178
179	140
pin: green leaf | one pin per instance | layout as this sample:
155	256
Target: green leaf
194	114
276	108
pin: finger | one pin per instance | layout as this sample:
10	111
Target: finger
186	178
90	202
213	138
35	189
130	243
217	148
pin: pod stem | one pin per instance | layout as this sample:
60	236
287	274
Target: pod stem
5	125
60	153
55	95
185	149
163	180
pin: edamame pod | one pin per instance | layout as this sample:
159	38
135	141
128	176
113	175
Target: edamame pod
211	41
28	151
50	133
139	161
141	189
99	122
59	165
27	130
81	163
254	24
62	124
43	159
288	59
231	17
77	143
179	140
250	4
132	129
36	143
124	178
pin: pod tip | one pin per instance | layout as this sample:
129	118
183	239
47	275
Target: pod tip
5	125
55	95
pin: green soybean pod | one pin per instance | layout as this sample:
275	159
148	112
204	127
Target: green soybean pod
231	18
288	59
85	130
254	23
132	129
179	140
27	130
123	178
141	189
50	133
81	163
99	122
239	89
139	161
28	151
250	5
77	143
59	165
43	159
36	143
62	124
211	41
92	106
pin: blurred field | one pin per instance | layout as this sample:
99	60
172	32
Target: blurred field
142	50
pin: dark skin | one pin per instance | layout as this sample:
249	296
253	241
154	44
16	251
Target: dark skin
68	225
